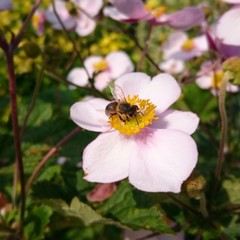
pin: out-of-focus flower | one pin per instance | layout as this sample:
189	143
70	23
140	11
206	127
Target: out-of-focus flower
101	192
5	5
210	76
228	29
38	21
79	17
141	138
136	10
232	1
179	48
109	68
223	36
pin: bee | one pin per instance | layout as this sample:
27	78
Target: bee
121	107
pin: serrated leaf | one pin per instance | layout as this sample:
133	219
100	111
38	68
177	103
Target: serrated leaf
36	222
232	187
134	211
79	210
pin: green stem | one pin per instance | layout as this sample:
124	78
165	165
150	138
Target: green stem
203	207
34	97
51	152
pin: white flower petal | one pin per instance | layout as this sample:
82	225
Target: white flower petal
119	63
177	120
162	91
106	159
172	66
102	80
77	76
90	61
84	25
91	7
204	82
90	114
165	158
132	83
228	27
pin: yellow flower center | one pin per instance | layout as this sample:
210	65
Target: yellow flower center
129	125
102	65
217	79
153	7
188	45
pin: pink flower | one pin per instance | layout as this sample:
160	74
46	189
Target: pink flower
179	48
5	4
82	22
151	146
232	1
136	10
111	67
210	76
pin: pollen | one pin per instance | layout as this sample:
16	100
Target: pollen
133	125
101	65
217	79
188	45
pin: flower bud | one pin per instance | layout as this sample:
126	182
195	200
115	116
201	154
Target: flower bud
232	67
194	185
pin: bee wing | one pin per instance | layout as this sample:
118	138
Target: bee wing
118	93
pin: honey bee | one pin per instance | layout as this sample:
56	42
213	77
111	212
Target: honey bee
121	107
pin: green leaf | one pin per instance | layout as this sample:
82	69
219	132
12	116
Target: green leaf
232	188
79	210
135	209
36	222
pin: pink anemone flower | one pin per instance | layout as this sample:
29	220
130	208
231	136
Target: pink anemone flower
109	68
82	21
5	5
151	146
136	10
210	77
223	36
180	48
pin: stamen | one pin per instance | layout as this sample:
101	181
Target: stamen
188	45
101	65
217	79
143	117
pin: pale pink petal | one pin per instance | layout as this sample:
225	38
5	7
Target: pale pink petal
5	4
201	43
90	114
119	63
102	80
204	82
90	61
172	66
106	159
84	25
77	76
173	44
228	27
162	91
164	159
186	18
133	9
177	120
63	14
113	13
132	83
232	88
92	7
